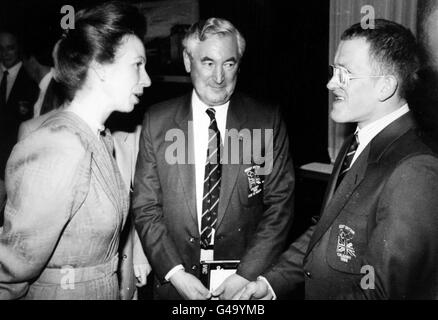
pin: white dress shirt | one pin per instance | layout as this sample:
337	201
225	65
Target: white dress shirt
12	76
201	122
367	133
44	83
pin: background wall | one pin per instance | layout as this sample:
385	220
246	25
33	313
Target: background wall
286	61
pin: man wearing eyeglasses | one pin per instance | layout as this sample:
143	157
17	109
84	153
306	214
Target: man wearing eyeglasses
377	237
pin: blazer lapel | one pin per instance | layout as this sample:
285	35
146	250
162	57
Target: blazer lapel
371	154
340	197
236	117
15	95
331	186
184	120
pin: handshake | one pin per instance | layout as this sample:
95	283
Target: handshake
234	287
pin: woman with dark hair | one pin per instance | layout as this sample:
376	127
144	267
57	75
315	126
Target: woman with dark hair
66	198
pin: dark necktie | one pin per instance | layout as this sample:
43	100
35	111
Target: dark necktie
212	182
3	87
348	159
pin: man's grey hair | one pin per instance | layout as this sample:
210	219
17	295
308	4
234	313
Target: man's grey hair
202	30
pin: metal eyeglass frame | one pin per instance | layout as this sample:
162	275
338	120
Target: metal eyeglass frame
345	76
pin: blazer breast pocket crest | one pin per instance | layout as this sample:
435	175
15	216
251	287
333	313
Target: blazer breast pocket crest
345	249
255	182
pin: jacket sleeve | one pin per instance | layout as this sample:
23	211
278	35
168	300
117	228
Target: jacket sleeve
288	272
272	230
41	173
147	204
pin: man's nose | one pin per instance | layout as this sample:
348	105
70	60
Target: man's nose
219	74
332	83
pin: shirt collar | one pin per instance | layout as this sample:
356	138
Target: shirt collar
13	71
367	133
200	106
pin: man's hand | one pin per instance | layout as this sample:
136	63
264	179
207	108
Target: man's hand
189	287
141	272
256	290
231	287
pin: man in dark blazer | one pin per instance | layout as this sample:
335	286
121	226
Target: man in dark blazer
18	93
249	204
377	237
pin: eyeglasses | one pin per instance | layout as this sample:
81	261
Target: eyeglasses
343	76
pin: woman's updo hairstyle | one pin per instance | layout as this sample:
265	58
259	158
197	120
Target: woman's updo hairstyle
97	36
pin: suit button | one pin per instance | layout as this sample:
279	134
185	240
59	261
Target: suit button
192	240
240	229
125	257
194	267
308	274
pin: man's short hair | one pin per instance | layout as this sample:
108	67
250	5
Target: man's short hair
393	51
204	29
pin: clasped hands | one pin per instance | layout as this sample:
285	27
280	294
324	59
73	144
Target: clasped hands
234	287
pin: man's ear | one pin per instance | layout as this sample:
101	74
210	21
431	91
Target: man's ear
187	61
388	88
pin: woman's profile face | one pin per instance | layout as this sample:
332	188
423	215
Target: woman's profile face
126	77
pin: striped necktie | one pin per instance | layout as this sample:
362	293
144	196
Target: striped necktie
348	159
212	183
